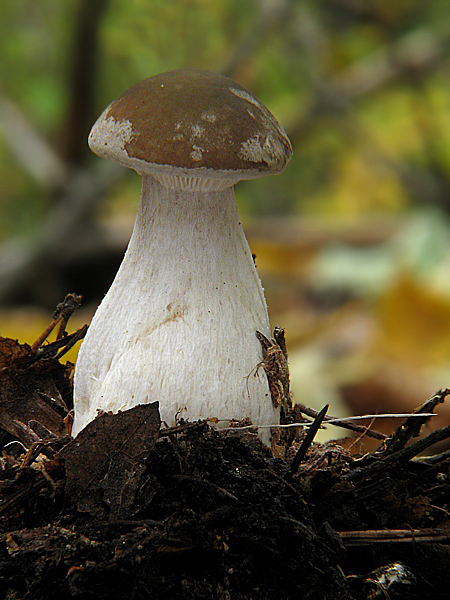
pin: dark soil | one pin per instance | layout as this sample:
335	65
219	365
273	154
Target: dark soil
195	513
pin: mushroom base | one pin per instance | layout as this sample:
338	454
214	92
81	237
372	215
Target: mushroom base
179	322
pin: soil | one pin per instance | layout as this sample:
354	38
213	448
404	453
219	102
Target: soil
130	510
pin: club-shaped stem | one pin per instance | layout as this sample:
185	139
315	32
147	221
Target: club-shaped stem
178	323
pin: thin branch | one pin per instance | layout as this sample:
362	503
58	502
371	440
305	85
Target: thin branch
411	427
20	258
271	17
83	76
384	536
365	468
344	423
29	147
422	51
308	440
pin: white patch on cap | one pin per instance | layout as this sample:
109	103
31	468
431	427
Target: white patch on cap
197	153
109	137
197	130
210	117
256	151
246	96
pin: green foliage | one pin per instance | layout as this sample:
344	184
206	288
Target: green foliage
356	151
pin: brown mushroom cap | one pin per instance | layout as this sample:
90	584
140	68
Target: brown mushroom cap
191	123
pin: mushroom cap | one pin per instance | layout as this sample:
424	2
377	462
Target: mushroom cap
191	123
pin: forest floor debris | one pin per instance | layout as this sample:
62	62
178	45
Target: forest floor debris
193	512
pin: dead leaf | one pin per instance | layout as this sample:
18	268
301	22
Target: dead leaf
40	391
413	324
106	460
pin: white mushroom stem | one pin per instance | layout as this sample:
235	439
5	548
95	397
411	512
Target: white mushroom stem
178	324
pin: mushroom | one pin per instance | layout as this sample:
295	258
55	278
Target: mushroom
179	322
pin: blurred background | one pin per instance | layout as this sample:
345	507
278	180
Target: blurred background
352	240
